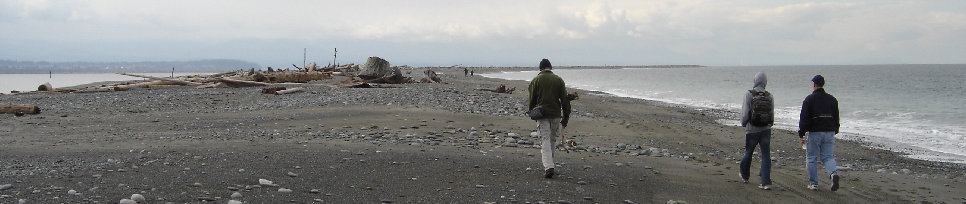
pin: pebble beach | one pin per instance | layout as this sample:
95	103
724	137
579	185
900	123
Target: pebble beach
418	143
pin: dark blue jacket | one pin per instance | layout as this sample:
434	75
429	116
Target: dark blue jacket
820	113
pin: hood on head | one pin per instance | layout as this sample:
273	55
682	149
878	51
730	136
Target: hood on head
760	81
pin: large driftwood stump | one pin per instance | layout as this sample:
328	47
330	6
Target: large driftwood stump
45	87
19	109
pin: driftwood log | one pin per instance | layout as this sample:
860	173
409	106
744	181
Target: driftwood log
500	89
272	90
19	109
173	81
240	83
288	91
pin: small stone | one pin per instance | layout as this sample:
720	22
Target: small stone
138	198
196	184
236	195
315	191
264	182
290	174
71	192
563	202
677	202
906	171
22	201
127	201
582	182
284	190
234	202
480	186
6	186
619	164
628	202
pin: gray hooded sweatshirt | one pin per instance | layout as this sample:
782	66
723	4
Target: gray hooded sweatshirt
760	81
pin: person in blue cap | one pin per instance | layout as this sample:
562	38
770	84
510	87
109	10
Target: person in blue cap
820	121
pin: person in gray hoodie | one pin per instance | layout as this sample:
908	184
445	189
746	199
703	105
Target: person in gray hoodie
757	116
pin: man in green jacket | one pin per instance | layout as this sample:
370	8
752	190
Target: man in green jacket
547	90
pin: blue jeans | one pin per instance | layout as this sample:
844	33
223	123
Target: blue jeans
762	138
819	143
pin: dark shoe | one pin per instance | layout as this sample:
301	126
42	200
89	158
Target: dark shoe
548	173
835	182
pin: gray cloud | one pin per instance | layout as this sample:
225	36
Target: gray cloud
502	32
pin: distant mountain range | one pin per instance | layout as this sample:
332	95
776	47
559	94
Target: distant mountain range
8	66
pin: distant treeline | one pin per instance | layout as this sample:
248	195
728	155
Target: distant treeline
8	66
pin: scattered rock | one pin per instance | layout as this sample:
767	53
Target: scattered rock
315	191
628	202
677	202
290	174
582	182
234	202
6	186
236	195
265	182
480	186
138	198
284	190
127	201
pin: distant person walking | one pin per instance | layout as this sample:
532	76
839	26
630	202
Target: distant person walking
466	72
820	120
757	116
547	91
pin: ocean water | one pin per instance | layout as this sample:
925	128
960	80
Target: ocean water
30	82
915	109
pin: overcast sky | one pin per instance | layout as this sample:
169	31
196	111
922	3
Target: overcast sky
489	32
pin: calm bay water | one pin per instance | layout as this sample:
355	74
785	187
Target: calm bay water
30	82
915	109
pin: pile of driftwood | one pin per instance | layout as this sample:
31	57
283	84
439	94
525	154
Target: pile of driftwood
374	74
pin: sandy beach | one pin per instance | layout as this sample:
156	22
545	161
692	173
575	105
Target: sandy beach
422	143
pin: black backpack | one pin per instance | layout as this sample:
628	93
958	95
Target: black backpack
762	110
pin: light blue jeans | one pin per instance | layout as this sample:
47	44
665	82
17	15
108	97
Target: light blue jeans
819	143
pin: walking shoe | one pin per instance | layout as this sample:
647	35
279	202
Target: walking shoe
764	187
548	173
835	182
743	180
812	187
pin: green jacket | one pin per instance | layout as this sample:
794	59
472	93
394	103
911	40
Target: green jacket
548	90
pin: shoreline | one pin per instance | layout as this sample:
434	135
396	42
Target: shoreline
420	143
729	117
